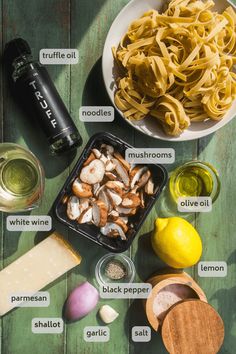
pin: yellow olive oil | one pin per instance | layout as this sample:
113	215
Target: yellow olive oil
194	179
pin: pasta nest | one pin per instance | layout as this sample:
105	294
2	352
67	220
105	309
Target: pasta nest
177	66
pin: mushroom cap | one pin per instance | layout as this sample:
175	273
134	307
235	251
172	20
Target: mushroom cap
93	173
131	200
81	189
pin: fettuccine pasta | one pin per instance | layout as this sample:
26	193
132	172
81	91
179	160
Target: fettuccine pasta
177	66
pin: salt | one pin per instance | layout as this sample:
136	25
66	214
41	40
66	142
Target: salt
170	295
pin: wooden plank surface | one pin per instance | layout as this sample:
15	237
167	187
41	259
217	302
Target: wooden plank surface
94	19
1	140
218	230
83	24
34	21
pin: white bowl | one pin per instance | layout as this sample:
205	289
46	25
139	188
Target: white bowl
133	10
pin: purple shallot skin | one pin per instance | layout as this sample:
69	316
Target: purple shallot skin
81	301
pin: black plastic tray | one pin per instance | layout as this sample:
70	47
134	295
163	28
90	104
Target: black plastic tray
92	232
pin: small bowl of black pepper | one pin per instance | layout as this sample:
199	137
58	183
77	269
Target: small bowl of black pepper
114	268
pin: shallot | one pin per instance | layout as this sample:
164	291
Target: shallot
81	301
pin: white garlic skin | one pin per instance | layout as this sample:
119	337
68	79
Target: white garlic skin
108	314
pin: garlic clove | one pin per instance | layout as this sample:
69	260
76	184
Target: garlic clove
108	314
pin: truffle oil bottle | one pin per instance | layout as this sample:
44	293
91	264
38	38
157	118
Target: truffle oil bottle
31	81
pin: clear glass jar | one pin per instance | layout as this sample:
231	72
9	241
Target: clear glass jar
21	179
124	261
195	179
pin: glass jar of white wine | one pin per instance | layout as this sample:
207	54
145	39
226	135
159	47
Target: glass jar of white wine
21	179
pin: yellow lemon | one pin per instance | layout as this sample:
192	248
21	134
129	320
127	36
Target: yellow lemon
176	242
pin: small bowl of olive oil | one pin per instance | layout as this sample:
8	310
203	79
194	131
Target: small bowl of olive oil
21	179
195	179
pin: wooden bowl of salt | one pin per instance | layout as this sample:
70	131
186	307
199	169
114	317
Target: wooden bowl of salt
168	290
178	307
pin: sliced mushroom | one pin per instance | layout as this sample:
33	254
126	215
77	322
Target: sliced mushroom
93	173
111	176
89	159
122	224
119	184
149	187
65	199
100	213
131	200
113	215
97	153
120	158
125	219
112	229
105	199
108	191
107	149
96	188
81	190
86	216
109	166
73	208
116	186
142	201
135	189
111	233
136	174
121	171
104	159
144	179
99	190
84	204
125	211
114	198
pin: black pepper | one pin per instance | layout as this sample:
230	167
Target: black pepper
115	270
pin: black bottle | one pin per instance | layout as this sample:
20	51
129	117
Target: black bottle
32	81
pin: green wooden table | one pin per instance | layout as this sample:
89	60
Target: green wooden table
83	24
